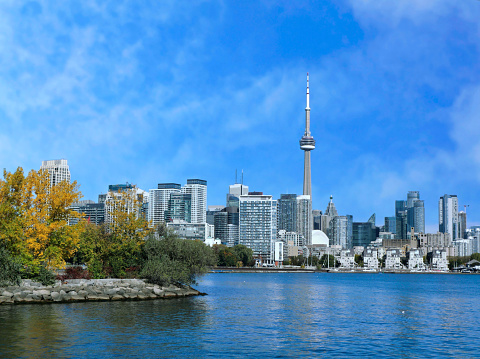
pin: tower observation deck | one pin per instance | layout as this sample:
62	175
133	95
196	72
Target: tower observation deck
307	144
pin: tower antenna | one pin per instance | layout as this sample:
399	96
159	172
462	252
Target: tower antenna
236	176
242	177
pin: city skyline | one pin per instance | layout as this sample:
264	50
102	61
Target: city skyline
162	92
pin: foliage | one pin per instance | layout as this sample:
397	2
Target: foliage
244	255
327	260
359	260
238	255
10	269
45	276
457	261
170	259
34	218
475	256
75	272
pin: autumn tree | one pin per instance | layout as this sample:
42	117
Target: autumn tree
34	218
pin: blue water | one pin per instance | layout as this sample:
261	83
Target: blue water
263	315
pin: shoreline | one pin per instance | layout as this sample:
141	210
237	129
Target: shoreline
92	290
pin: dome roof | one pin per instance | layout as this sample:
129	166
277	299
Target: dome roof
319	237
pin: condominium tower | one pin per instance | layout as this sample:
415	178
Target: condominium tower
58	171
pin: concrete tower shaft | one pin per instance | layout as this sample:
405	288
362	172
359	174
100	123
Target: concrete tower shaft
307	144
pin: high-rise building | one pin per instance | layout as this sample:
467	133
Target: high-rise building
258	225
179	208
364	232
307	144
341	228
317	219
58	171
401	220
415	212
197	188
390	225
304	219
89	210
158	201
123	197
330	213
448	215
287	212
462	224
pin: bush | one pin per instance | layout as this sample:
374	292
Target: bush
10	269
75	272
45	276
170	259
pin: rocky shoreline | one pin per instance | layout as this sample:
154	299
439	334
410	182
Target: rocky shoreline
83	290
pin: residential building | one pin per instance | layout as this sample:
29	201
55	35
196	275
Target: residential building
258	225
158	201
438	259
347	258
370	258
194	231
390	225
415	260
197	189
304	222
58	171
89	210
392	260
287	212
179	208
448	215
341	231
363	233
463	247
401	226
462	224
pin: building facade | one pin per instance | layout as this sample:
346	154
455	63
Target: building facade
197	189
448	215
58	171
158	202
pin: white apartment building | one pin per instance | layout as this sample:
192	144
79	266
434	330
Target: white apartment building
304	219
392	260
58	171
370	258
415	260
158	202
197	188
347	258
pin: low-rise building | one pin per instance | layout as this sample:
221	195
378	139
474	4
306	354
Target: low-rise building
438	259
415	260
347	258
370	258
392	260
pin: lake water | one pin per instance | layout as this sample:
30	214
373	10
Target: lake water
263	315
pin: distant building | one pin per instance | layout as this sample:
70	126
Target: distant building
304	218
415	212
392	260
195	231
91	211
370	258
463	247
326	219
415	260
401	226
58	171
179	208
258	225
438	259
197	189
363	233
317	219
341	228
158	201
390	225
347	258
462	224
448	215
211	213
287	213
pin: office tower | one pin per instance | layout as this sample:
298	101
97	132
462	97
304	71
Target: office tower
179	208
448	215
258	225
89	210
390	225
341	231
287	212
226	225
158	202
415	212
234	192
462	224
197	188
211	213
317	219
401	220
304	219
364	232
307	144
330	213
58	171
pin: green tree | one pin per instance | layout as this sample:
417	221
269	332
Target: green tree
10	269
475	256
169	259
226	256
244	254
359	260
327	260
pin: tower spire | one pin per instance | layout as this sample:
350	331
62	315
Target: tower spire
307	144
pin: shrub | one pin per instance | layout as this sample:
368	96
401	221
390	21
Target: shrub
45	276
75	272
10	269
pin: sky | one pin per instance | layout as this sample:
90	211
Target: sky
162	91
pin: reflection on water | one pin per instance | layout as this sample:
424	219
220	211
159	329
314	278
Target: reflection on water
280	315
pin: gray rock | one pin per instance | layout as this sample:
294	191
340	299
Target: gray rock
7	294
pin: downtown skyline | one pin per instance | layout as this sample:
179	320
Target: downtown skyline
162	92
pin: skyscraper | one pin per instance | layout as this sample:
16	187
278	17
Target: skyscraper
304	219
401	220
364	232
258	225
448	215
197	188
341	231
415	212
158	201
58	171
307	144
287	212
462	224
179	207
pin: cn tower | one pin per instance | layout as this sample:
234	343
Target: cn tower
307	144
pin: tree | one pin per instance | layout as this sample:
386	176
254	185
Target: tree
226	256
34	218
328	261
244	254
169	259
359	260
475	256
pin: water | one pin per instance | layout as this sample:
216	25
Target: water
263	315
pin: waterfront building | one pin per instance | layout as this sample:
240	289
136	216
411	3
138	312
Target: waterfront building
363	233
341	231
58	171
473	234
194	231
197	189
258	225
291	243
415	259
278	252
463	247
158	202
392	260
448	215
89	210
179	208
347	258
438	259
431	240
370	258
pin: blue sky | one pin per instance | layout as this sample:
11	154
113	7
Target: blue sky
162	91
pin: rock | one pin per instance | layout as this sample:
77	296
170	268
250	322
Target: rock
7	294
76	298
169	294
56	297
117	297
5	299
157	291
82	293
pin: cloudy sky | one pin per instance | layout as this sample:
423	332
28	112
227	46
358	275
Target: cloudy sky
162	91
